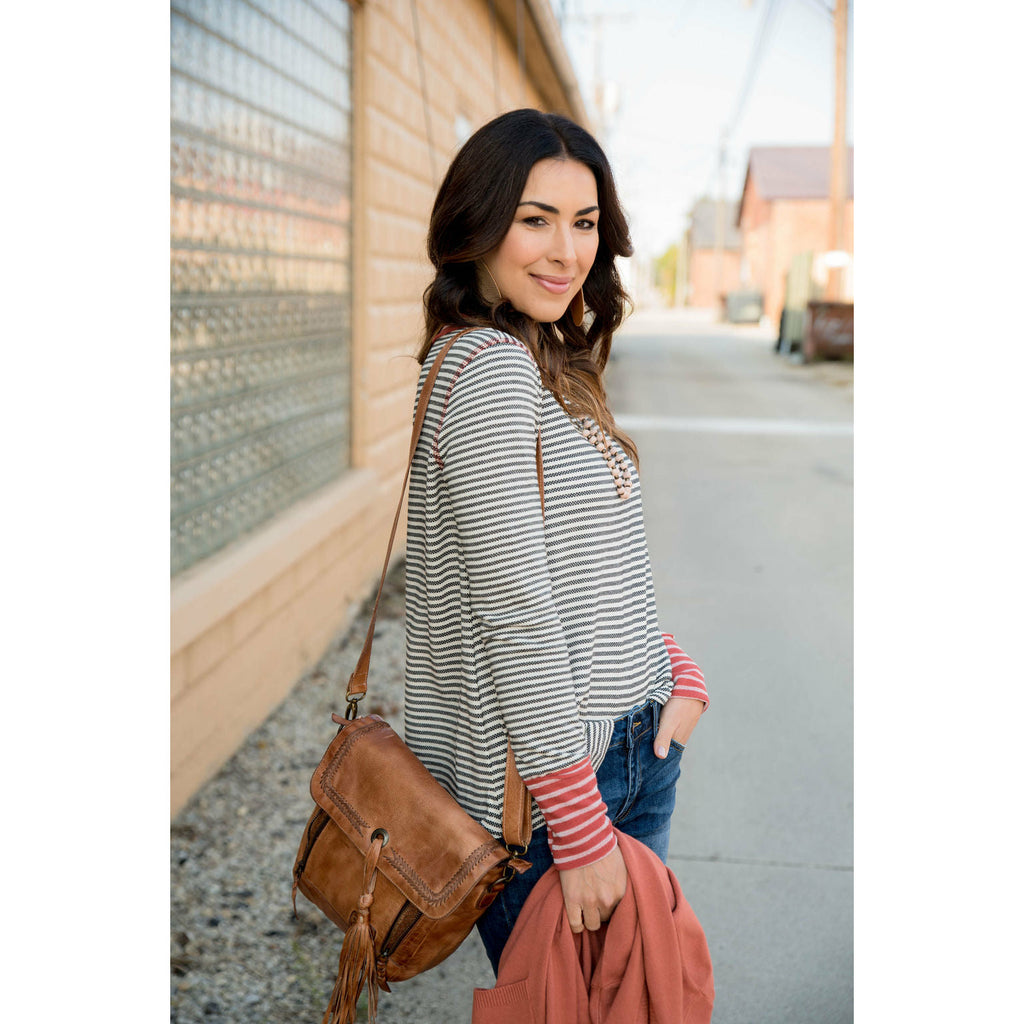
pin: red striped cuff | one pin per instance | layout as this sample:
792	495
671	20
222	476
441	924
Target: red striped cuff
579	829
688	680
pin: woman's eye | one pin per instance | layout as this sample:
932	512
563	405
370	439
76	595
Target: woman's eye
535	222
586	225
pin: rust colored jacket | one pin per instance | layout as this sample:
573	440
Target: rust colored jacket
648	965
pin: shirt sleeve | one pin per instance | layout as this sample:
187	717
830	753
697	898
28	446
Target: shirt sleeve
687	678
486	444
579	829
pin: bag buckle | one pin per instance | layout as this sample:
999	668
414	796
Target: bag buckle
516	862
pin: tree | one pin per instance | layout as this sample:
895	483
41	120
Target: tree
665	273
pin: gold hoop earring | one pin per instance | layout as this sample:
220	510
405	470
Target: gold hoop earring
501	298
576	308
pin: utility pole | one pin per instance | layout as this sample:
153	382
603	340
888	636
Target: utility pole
838	189
720	217
682	269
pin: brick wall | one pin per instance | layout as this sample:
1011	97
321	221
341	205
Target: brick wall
773	233
247	622
706	290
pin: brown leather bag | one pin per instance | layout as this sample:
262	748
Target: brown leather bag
388	855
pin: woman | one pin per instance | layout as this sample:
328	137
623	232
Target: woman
527	624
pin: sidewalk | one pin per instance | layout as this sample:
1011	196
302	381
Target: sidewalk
238	955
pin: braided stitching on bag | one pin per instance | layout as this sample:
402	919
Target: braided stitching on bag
427	895
392	857
350	812
329	770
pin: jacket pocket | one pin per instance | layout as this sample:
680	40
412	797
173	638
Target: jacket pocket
503	1004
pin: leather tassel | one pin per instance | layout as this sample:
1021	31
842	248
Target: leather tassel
357	964
356	968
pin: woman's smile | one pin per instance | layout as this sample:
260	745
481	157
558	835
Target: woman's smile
556	285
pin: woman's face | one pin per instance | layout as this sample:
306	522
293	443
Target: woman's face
549	249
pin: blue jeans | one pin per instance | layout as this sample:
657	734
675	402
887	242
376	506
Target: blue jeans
640	791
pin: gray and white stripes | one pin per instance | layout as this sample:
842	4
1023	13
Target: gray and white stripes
542	629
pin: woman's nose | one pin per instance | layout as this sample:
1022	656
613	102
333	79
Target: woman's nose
562	248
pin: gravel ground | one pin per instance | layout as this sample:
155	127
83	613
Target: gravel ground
238	953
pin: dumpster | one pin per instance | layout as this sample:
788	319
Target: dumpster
744	307
828	333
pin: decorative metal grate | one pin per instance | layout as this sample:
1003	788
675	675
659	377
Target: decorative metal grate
260	262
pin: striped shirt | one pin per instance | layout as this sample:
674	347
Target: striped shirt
688	680
535	628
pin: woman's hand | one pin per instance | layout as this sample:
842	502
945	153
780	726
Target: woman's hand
593	892
677	721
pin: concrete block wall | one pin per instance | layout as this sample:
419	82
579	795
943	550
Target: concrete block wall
249	621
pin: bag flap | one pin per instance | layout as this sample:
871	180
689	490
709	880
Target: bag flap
369	779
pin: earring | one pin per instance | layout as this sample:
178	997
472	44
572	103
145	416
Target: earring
576	308
495	283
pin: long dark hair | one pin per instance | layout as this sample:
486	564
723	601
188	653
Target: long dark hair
473	211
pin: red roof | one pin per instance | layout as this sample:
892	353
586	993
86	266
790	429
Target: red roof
795	172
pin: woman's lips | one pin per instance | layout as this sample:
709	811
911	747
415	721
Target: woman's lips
555	285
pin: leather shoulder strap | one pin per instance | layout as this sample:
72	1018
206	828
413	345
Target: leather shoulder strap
357	681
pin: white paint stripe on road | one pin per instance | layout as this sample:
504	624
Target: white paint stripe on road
725	425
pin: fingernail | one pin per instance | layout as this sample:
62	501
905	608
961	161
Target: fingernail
660	751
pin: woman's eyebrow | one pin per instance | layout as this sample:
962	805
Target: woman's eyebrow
554	209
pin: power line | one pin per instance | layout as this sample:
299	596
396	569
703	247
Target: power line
821	7
753	64
768	13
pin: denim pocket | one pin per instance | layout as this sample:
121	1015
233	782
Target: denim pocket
676	746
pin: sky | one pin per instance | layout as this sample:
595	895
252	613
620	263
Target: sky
678	69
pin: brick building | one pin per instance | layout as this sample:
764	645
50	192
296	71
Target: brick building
712	273
307	142
785	210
